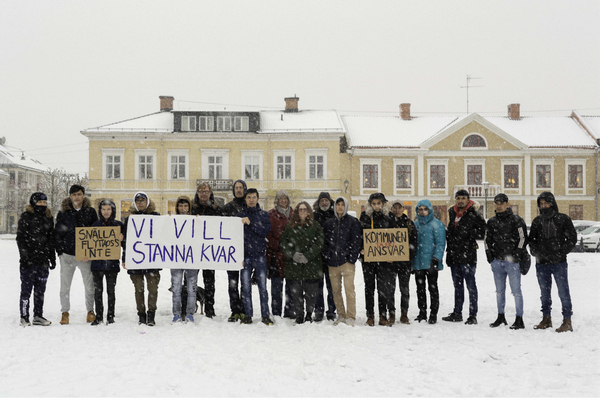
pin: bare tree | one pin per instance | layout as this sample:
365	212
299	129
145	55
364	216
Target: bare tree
56	185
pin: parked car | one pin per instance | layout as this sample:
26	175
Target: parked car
581	224
589	238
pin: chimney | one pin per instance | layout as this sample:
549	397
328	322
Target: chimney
291	104
166	103
514	111
405	111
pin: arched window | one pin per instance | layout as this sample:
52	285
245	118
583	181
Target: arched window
474	141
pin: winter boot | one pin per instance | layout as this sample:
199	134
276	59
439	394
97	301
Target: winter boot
565	327
90	317
234	317
383	320
246	320
151	318
309	318
500	320
110	319
25	321
267	321
371	320
518	324
421	317
432	319
299	320
545	323
39	320
142	316
96	322
472	320
453	317
339	320
404	317
392	318
318	318
64	320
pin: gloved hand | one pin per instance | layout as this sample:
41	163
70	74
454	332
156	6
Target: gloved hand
52	263
299	258
434	264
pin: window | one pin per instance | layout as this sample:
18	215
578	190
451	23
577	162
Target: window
370	176
437	177
511	176
177	164
543	176
315	167
113	167
252	167
215	167
12	176
474	174
241	124
224	124
474	141
284	167
145	165
575	176
188	123
206	124
215	164
403	176
576	211
177	167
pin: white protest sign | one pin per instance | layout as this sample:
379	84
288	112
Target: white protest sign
184	242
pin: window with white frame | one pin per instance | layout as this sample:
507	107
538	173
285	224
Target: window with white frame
241	124
223	124
215	167
511	176
188	123
112	163
215	164
316	163
403	176
177	164
284	167
206	123
437	177
252	166
370	172
543	176
145	161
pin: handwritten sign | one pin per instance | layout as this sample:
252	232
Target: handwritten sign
184	242
386	244
98	243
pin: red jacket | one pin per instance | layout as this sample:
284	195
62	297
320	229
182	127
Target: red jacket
278	224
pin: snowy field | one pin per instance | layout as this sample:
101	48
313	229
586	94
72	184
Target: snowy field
214	358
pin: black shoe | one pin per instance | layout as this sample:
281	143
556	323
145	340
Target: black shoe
97	321
318	318
471	320
330	317
246	320
500	320
421	317
209	313
110	320
299	320
267	321
151	318
452	317
432	319
518	324
143	319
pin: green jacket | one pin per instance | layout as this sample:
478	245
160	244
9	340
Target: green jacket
307	240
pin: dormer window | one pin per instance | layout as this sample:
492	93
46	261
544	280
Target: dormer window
474	141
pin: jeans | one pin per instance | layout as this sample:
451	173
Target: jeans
346	273
67	270
277	297
320	302
259	265
176	285
33	278
501	270
111	282
235	297
460	275
431	277
544	274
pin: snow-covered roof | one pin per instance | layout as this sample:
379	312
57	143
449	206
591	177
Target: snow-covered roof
593	123
19	159
302	121
161	121
3	172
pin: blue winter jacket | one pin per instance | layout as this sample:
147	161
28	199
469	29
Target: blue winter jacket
255	234
431	239
343	239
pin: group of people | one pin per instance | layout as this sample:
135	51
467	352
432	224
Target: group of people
304	249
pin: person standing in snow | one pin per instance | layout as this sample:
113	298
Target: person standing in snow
256	228
231	209
551	238
183	206
465	227
204	204
505	247
76	212
35	239
279	217
108	269
142	204
323	211
341	247
431	241
301	243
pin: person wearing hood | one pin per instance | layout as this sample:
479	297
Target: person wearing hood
376	216
109	269
431	241
403	268
551	238
142	204
323	211
279	217
35	240
341	247
231	209
257	225
76	212
204	204
465	227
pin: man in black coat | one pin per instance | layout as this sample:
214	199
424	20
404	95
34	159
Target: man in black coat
323	211
551	238
465	226
35	239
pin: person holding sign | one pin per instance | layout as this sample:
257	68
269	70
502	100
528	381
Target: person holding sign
301	243
143	205
257	225
376	216
431	241
108	269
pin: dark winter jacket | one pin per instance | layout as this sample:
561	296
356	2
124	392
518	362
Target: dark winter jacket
278	224
342	239
108	265
308	240
235	206
369	219
206	209
405	222
35	238
150	210
506	237
67	220
461	237
552	235
431	239
255	234
320	215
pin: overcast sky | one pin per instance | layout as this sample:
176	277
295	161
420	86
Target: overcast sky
70	65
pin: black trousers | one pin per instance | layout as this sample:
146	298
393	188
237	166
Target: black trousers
208	275
111	283
431	277
235	295
33	278
303	291
403	269
385	276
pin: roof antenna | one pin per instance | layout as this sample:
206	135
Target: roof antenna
23	155
467	87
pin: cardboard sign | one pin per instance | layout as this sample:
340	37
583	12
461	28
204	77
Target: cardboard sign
98	243
184	242
386	245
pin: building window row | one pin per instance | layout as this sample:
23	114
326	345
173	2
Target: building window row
192	123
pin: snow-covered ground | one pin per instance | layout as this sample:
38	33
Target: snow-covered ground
214	358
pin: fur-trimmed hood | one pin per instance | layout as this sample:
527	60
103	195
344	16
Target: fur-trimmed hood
149	210
67	204
183	199
369	210
29	209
